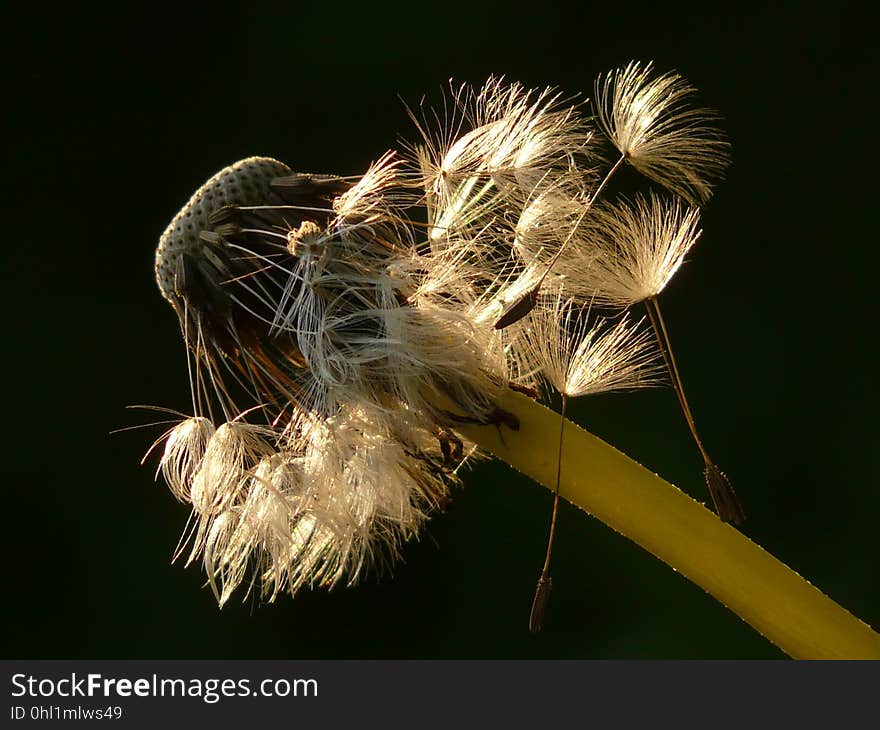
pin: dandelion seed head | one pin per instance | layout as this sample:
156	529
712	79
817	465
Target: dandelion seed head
338	329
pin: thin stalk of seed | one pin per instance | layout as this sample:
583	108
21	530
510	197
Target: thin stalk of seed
526	302
727	504
545	582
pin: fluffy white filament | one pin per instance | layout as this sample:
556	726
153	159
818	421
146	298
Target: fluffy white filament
578	356
629	252
650	121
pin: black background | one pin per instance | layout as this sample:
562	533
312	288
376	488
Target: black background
113	119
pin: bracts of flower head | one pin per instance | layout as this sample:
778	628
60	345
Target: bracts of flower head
338	329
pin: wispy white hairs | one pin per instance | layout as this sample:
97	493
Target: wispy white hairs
629	251
650	120
580	356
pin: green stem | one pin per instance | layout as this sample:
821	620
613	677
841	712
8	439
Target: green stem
768	595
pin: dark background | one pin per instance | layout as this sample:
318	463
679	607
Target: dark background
112	120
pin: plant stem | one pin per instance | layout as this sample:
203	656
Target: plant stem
765	593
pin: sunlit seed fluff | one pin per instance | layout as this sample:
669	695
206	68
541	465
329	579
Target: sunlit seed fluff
633	249
334	504
274	526
374	317
233	450
578	357
546	223
500	144
184	449
364	490
648	118
219	486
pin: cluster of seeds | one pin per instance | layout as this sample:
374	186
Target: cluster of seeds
339	329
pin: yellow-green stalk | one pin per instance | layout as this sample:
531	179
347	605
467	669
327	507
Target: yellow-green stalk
768	595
